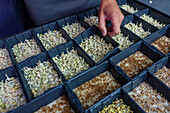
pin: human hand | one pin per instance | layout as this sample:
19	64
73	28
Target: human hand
109	10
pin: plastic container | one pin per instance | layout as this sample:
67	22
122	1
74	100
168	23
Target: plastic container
90	74
164	31
63	48
32	62
45	99
140	46
2	46
154	68
155	15
11	41
134	19
70	20
146	77
131	3
94	30
11	72
45	28
119	94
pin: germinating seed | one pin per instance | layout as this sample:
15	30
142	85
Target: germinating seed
92	20
96	89
41	78
74	29
25	49
117	106
135	64
129	8
149	99
162	44
51	39
123	41
96	47
70	64
137	29
152	21
5	59
61	105
11	94
164	75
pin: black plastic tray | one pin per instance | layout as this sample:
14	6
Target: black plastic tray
131	3
163	62
45	28
140	46
45	99
90	74
135	19
11	41
2	46
94	30
32	63
164	31
70	20
63	48
148	78
119	94
11	72
154	15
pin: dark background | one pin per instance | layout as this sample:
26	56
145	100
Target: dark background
14	17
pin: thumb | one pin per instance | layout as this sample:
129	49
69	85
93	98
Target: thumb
102	24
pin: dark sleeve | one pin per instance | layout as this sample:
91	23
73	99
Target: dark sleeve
14	17
43	11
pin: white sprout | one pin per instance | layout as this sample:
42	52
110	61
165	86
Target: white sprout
96	47
92	20
70	64
137	29
25	49
5	60
41	78
129	9
11	94
74	29
51	39
123	41
152	21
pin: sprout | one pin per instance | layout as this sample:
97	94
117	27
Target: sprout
137	29
11	94
41	78
123	41
96	47
74	29
117	106
96	89
61	105
150	20
129	8
25	49
51	39
149	99
70	64
92	20
5	60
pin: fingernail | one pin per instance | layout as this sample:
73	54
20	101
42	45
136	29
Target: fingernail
103	33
